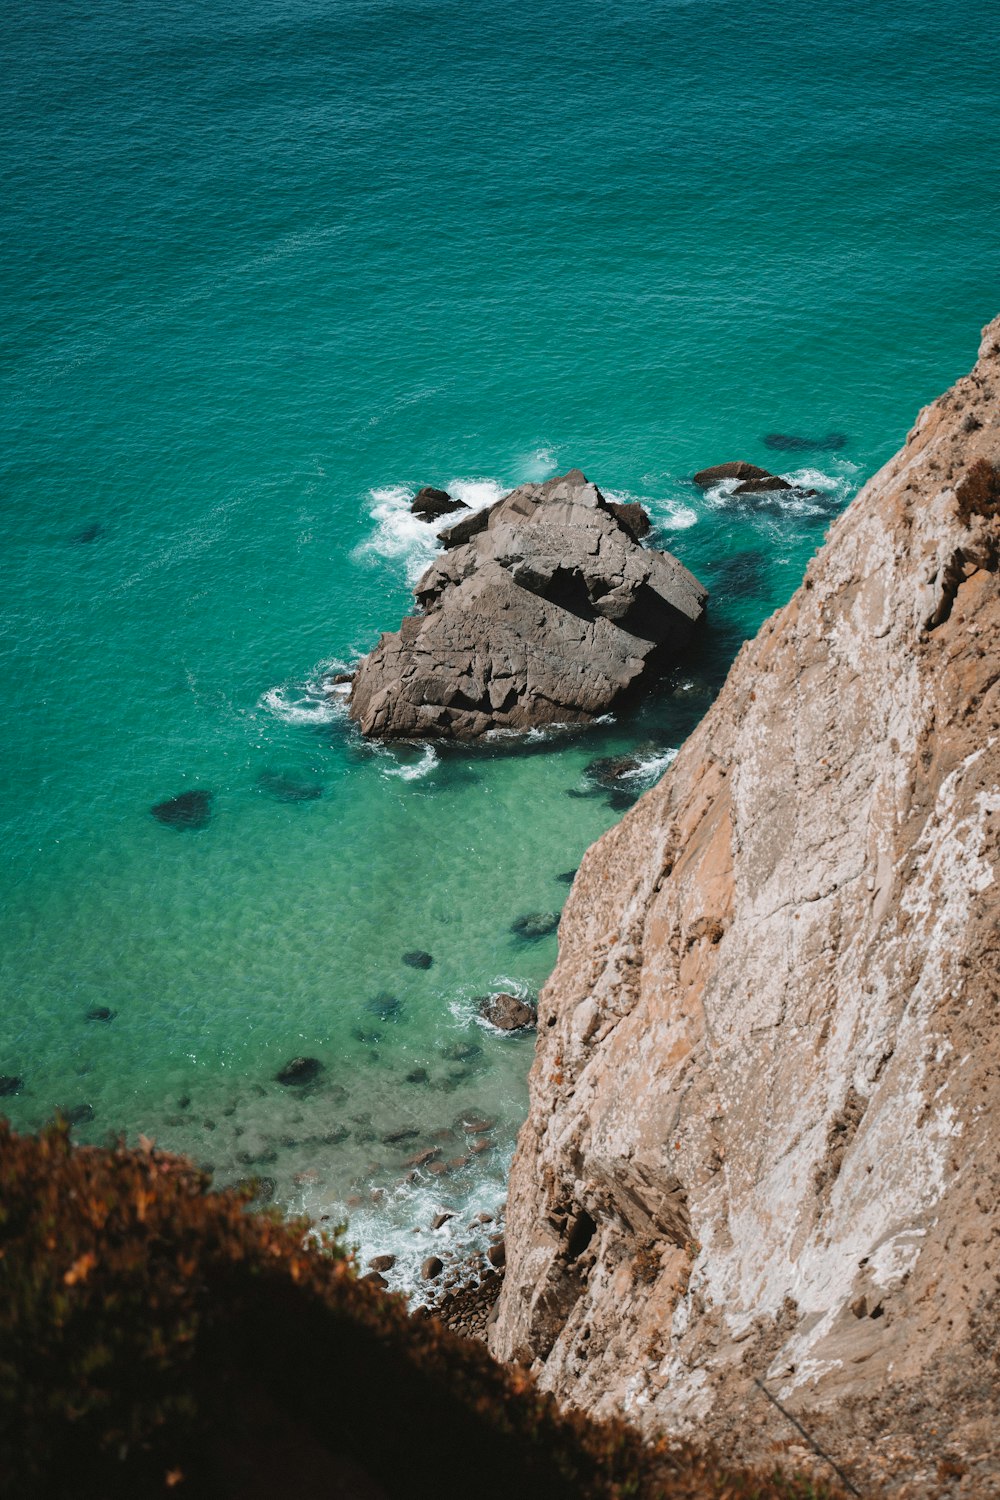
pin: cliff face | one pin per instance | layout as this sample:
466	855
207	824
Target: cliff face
763	1136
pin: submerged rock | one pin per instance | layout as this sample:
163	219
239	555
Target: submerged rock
381	1263
507	1012
10	1084
543	610
432	1268
89	533
785	442
566	877
188	810
299	1071
430	503
535	924
387	1007
101	1013
418	959
285	788
608	771
735	469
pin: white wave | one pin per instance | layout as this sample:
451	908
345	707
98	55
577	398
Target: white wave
415	771
667	514
538	466
314	701
649	768
401	536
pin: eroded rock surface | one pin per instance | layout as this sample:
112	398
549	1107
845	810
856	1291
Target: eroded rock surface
764	1136
542	610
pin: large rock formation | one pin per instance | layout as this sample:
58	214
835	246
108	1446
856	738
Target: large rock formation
542	610
764	1126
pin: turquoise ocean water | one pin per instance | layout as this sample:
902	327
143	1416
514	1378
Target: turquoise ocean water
269	267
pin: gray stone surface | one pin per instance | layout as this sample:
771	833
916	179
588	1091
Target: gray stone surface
542	610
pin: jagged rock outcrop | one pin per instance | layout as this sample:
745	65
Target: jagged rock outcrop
764	1135
542	610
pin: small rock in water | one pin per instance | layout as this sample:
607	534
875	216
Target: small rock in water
188	811
761	486
375	1278
439	1220
535	924
255	1148
417	1075
484	1218
102	1013
734	469
417	959
299	1071
77	1114
387	1007
497	1255
437	1168
381	1263
507	1012
567	877
479	1146
10	1084
393	1137
456	1163
621	801
430	503
477	1126
423	1157
262	1189
431	1268
610	770
289	788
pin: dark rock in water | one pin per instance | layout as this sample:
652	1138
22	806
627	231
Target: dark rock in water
417	1075
742	574
288	788
633	517
432	1268
89	533
785	442
735	469
255	1148
761	486
567	877
189	810
335	1136
102	1013
339	678
578	792
544	610
387	1007
77	1114
381	1263
609	770
394	1137
463	1051
299	1071
418	959
430	503
374	1278
10	1084
535	924
441	1219
507	1012
497	1255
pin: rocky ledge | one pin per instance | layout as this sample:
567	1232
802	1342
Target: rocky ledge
543	609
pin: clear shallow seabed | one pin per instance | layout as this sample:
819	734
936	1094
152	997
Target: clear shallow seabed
267	269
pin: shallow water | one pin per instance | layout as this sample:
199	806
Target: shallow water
269	269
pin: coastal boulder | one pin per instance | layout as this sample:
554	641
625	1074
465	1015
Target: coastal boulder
507	1012
430	503
735	469
543	609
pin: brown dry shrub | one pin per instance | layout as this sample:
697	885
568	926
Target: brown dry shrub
159	1338
978	492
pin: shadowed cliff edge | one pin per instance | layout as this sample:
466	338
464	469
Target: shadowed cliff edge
763	1136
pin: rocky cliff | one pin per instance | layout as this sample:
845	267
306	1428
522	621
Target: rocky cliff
764	1125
